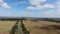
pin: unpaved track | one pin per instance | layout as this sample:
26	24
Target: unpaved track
34	27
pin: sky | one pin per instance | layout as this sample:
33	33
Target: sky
30	8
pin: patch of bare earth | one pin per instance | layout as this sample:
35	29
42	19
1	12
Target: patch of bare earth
4	32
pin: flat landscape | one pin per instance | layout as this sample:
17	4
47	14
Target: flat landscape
33	26
42	27
6	26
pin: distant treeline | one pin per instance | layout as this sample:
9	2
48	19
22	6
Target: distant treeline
34	18
51	19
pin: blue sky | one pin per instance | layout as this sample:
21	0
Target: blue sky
30	8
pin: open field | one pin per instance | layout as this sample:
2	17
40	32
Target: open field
27	26
6	26
42	27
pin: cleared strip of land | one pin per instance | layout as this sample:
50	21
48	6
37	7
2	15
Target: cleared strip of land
6	26
42	27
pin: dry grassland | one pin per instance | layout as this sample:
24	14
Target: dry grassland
42	27
6	26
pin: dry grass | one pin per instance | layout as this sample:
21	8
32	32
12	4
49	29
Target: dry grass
42	27
6	26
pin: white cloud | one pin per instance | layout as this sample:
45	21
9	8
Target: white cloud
49	6
49	13
36	2
38	6
20	2
30	8
4	4
52	13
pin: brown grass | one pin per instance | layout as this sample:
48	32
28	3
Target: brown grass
6	26
42	27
